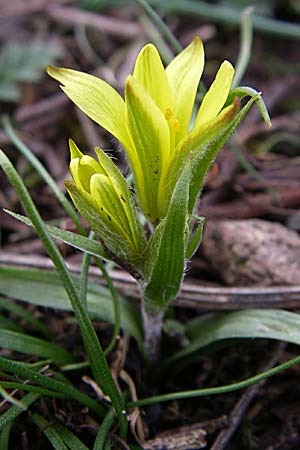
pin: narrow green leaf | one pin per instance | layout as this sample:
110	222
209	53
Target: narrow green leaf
49	431
93	347
167	249
252	324
29	345
44	174
69	438
14	411
4	437
103	430
44	288
11	399
216	390
195	239
9	325
25	315
31	388
83	243
23	371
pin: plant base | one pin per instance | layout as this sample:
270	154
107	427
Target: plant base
153	325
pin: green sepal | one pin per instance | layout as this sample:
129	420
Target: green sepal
195	238
194	143
245	91
207	155
165	256
114	244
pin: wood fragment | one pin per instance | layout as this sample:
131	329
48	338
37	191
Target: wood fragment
187	437
193	295
109	25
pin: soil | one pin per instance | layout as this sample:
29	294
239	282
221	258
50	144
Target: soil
252	189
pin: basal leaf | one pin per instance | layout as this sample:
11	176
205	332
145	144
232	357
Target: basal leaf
29	345
253	323
44	288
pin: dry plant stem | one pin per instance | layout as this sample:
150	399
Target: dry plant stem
153	324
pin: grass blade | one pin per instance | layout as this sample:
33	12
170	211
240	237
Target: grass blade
25	315
44	288
49	431
226	14
94	350
29	345
216	390
83	243
44	174
9	325
23	371
12	413
69	438
252	324
11	399
102	433
31	388
4	437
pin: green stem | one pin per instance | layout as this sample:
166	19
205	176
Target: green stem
164	29
14	411
49	431
37	165
245	47
226	14
84	274
153	325
215	390
102	433
49	383
4	438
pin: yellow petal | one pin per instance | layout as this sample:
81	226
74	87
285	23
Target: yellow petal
95	98
150	73
108	204
120	186
82	167
149	132
184	73
74	150
217	94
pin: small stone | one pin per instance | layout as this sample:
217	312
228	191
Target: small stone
252	252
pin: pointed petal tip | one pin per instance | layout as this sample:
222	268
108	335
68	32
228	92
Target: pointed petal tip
197	42
227	66
149	47
52	71
74	150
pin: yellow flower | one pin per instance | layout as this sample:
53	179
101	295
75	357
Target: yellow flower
101	194
153	121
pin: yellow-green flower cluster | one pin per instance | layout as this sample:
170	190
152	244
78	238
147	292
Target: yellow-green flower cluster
102	196
153	123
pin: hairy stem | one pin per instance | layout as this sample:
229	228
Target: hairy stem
153	324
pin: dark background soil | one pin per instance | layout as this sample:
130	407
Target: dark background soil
256	177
